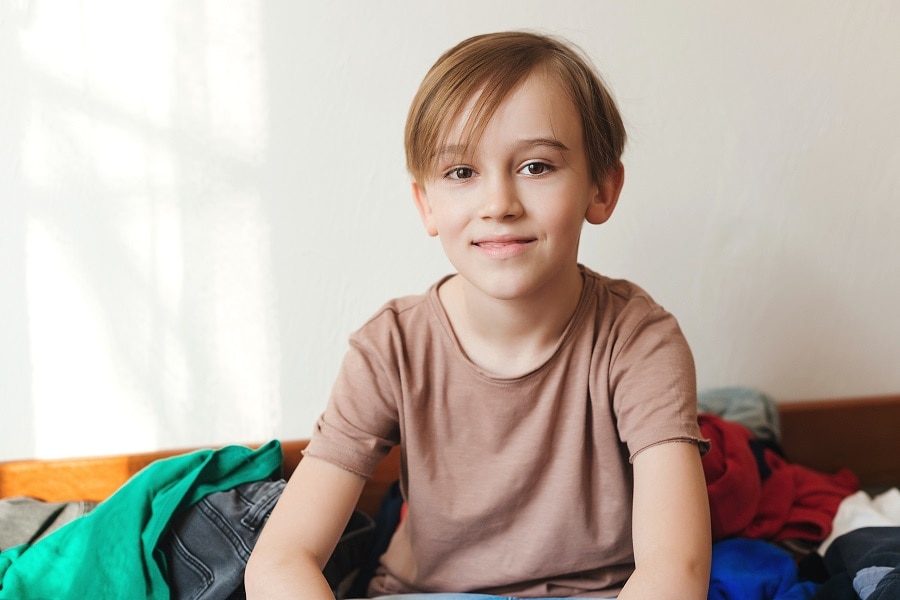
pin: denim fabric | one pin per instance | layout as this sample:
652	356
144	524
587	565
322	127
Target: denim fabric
208	547
115	551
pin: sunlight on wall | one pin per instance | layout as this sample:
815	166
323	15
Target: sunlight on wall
148	283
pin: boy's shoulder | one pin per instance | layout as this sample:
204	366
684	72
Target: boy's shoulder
403	311
623	290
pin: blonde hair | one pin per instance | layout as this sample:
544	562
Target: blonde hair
491	66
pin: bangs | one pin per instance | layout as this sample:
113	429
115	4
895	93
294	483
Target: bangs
476	76
469	78
486	102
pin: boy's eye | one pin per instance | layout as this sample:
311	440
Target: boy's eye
461	173
535	168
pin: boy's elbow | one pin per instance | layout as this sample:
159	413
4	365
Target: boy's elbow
677	576
690	575
262	574
271	573
695	580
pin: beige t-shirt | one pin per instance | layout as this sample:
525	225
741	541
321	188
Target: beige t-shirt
515	486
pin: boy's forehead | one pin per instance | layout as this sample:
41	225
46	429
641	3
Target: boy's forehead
533	111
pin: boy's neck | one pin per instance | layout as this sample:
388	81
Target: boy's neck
509	338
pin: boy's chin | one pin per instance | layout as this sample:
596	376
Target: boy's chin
509	286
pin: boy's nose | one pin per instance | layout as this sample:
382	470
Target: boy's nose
500	201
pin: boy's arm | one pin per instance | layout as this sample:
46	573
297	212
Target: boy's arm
671	527
302	532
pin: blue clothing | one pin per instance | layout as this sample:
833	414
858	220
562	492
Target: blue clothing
745	569
207	547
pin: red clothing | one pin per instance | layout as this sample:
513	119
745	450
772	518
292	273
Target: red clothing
793	502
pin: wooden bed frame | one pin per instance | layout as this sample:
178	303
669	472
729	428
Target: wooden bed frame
862	434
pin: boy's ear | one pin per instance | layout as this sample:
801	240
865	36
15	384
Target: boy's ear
604	202
420	196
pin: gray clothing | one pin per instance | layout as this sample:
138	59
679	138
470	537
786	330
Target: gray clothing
27	520
750	407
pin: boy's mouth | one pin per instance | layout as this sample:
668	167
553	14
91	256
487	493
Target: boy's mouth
502	247
501	241
499	244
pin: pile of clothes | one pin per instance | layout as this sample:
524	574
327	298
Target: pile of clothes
782	531
184	527
181	528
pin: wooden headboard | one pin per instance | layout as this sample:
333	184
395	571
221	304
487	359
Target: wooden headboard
862	434
96	478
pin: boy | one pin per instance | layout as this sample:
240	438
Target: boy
546	414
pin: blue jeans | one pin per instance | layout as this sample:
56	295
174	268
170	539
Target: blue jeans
207	547
460	597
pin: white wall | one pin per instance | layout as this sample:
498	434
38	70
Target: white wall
198	202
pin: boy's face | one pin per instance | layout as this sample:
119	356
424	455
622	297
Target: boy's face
509	212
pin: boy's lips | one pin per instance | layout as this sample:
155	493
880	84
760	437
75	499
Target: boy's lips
503	246
500	240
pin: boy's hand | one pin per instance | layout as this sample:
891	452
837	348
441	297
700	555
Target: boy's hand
671	528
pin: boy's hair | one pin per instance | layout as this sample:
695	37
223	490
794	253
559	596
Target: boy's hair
491	66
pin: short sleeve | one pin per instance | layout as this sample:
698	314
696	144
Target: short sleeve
653	383
360	423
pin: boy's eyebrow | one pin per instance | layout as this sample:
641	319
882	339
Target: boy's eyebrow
542	141
451	149
461	149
